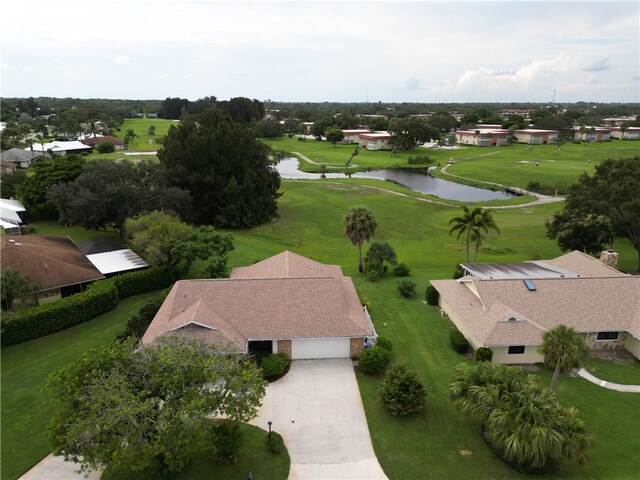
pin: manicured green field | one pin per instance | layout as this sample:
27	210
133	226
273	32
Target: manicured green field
145	142
626	374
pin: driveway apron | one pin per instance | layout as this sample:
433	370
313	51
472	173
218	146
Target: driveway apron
317	409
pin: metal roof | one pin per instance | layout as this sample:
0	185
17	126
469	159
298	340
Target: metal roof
523	270
117	261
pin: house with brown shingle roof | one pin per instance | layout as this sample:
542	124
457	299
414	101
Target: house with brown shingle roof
52	263
508	307
286	303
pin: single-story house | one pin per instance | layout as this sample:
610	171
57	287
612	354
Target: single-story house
631	133
110	258
535	136
93	142
353	136
21	157
286	303
592	134
52	263
375	140
11	216
508	307
6	166
62	148
483	137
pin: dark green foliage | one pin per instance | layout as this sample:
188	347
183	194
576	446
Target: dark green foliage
402	392
431	295
374	360
268	129
458	272
226	170
274	442
227	440
406	288
384	342
587	233
378	255
242	109
545	188
374	270
138	324
364	300
334	135
483	354
106	147
407	132
274	365
420	160
458	342
401	270
142	281
98	298
11	181
215	267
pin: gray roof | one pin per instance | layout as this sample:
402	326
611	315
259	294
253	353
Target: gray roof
98	245
504	271
19	155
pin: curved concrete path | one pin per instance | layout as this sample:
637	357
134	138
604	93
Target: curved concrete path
318	411
308	160
603	383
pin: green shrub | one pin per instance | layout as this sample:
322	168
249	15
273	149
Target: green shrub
274	442
374	360
143	281
138	324
364	300
458	272
274	365
431	295
483	354
374	270
458	342
100	297
106	147
406	288
401	270
384	342
402	392
227	439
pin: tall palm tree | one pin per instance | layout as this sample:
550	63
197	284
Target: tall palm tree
623	128
14	284
359	226
483	223
475	224
564	349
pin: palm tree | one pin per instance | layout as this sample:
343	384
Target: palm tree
129	136
623	128
564	349
14	284
475	224
483	223
359	226
93	128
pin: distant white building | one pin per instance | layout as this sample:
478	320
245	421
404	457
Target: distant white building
631	133
61	148
592	134
375	141
353	136
535	136
483	137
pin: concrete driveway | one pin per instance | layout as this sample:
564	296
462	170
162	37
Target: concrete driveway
317	409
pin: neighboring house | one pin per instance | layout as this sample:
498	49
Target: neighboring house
592	134
52	263
483	137
93	142
631	133
375	141
618	121
6	166
11	216
110	258
353	136
62	148
22	157
286	303
535	136
508	307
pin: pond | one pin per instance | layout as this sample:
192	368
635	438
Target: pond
418	182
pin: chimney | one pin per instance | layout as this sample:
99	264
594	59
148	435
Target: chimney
609	258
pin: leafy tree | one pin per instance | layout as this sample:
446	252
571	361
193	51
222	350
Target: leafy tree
227	171
173	108
377	256
152	131
106	147
13	284
359	226
319	127
590	233
564	349
475	224
406	288
11	181
401	391
128	406
268	129
33	192
334	135
377	123
610	193
469	119
205	243
443	122
107	193
407	132
242	110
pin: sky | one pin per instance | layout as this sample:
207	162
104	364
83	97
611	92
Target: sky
316	51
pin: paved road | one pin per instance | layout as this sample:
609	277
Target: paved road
317	409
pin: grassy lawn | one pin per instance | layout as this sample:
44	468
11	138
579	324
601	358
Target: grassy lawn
75	232
25	368
626	373
253	457
145	142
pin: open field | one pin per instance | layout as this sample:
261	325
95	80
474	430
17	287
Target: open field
422	446
145	142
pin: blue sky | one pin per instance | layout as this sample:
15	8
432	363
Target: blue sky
430	51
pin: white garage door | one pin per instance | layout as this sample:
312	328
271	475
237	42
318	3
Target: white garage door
320	348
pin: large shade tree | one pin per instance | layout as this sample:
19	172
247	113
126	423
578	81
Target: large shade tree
129	407
564	349
227	171
360	226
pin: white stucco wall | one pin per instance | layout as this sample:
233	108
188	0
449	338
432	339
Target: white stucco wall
530	355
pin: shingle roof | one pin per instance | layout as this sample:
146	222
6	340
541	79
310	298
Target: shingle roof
49	262
266	307
19	155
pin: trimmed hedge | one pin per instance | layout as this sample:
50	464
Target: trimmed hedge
431	295
458	342
274	443
374	360
99	297
483	354
406	288
274	365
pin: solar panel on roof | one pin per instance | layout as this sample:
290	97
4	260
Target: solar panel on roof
530	285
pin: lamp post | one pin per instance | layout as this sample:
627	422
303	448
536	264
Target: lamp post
269	423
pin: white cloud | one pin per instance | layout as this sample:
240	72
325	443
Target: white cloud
121	59
27	70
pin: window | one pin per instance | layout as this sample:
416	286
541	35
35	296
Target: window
607	336
516	349
530	285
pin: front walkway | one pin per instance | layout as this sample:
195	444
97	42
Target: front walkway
603	383
55	468
317	409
